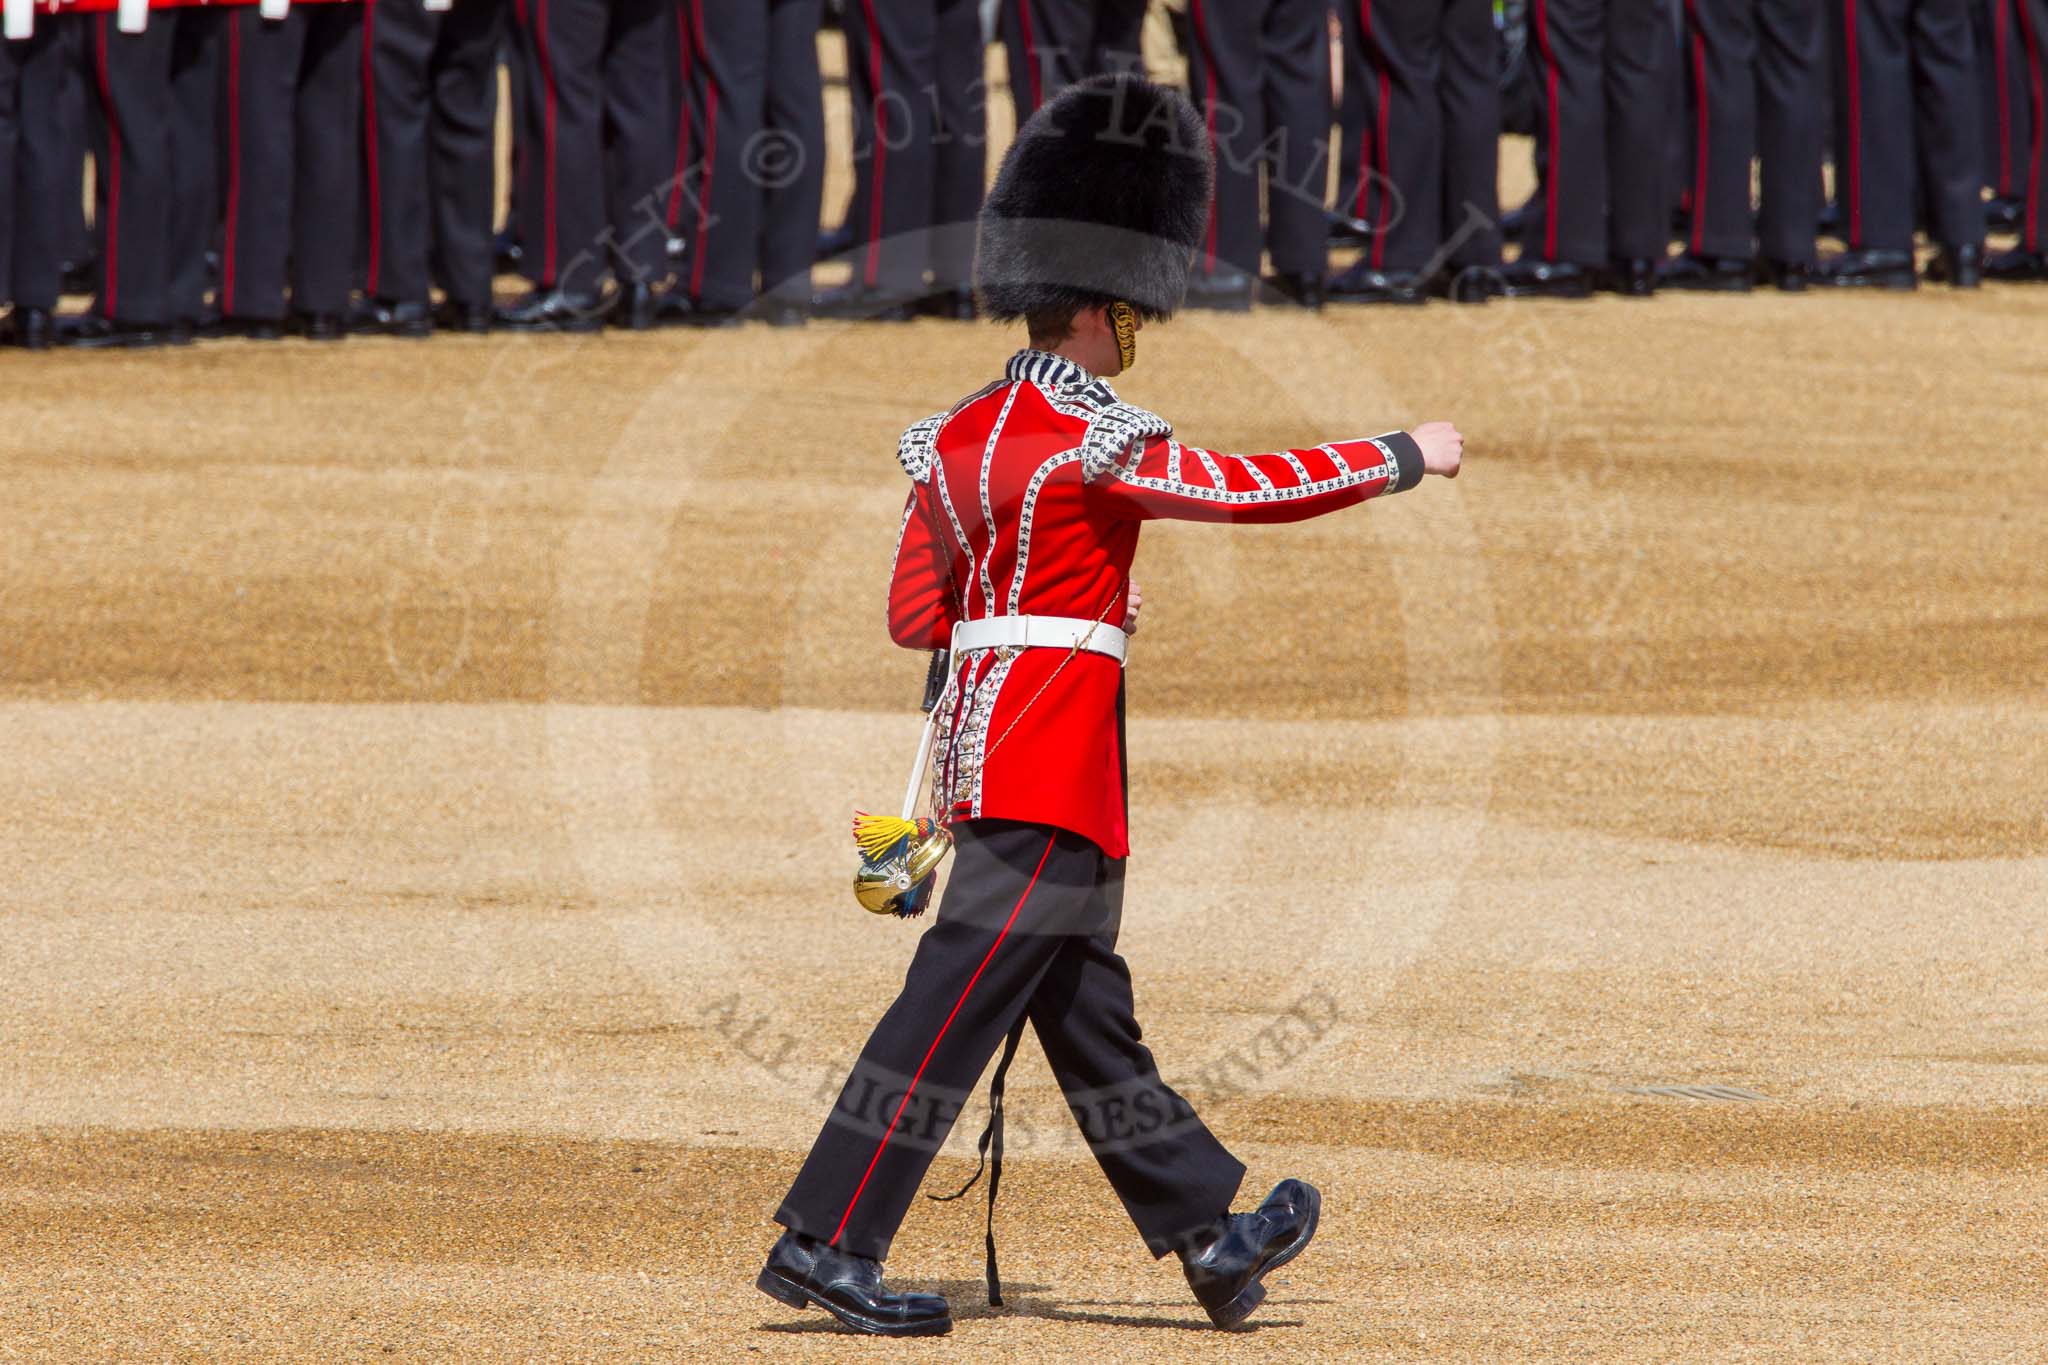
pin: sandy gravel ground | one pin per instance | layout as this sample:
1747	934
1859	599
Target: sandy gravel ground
1617	879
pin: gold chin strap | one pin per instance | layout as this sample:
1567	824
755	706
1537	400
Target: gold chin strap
1124	319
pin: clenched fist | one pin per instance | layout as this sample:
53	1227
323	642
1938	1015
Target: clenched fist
1134	600
1443	448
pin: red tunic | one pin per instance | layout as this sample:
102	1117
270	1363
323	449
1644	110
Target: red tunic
1027	500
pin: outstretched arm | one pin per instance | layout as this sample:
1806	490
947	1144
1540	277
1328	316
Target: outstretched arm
1161	478
921	606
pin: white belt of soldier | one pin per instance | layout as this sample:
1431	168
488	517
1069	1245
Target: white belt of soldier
1040	632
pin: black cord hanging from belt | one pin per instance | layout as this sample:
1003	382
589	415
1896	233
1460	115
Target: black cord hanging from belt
989	1153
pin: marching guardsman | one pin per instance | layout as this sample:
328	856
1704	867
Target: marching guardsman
597	162
1754	67
1053	43
1426	165
1603	69
294	87
150	70
429	124
1260	72
2028	261
920	158
1026	504
1907	108
750	159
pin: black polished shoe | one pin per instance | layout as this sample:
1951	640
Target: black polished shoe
1521	224
1341	229
1790	277
405	318
250	329
2003	214
1224	290
1361	284
32	329
456	316
954	305
1709	274
802	1271
2018	266
782	312
707	315
1468	284
1546	280
96	332
1225	1262
552	310
507	253
1869	270
1635	278
1959	267
320	326
1291	289
854	302
635	308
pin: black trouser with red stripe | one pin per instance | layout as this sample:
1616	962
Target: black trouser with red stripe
725	55
155	140
1053	43
1261	76
920	137
1903	82
293	160
792	173
35	140
2033	18
1428	125
1602	105
1027	928
2003	74
1754	68
429	119
599	151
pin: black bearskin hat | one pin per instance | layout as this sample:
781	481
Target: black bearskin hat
1102	198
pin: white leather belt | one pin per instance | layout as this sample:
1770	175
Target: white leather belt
1040	632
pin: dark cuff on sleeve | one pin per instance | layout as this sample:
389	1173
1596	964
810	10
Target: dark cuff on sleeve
1407	458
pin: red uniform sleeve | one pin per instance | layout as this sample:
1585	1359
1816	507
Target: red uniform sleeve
921	605
1164	479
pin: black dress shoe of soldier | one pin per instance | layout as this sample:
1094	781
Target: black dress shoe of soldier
1711	274
954	305
1468	283
635	308
1959	267
96	332
1341	229
858	303
2018	265
802	1271
1360	283
1635	278
401	318
1225	290
454	315
1546	280
2002	214
320	326
552	310
32	329
1790	277
1869	270
1292	289
1226	1262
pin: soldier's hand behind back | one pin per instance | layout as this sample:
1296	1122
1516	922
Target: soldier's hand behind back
1443	448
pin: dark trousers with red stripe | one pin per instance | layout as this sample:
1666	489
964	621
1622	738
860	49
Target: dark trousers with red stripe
792	174
154	140
726	65
2033	20
1602	71
920	142
599	147
294	146
1053	43
1907	110
429	120
1422	148
1027	928
1261	76
1754	68
38	146
2002	74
